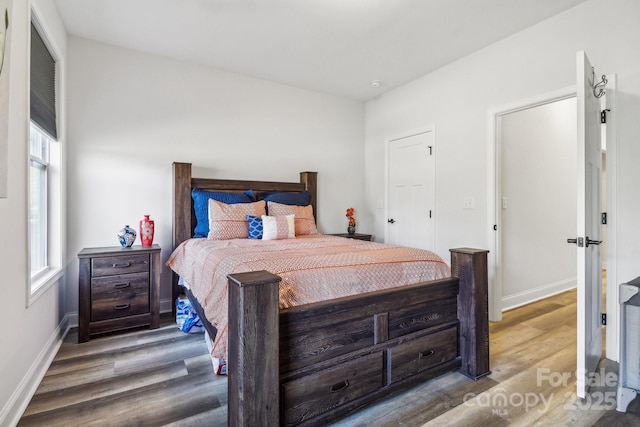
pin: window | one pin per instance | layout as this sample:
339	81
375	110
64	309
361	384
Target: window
38	165
45	174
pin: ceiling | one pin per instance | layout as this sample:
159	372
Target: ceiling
332	46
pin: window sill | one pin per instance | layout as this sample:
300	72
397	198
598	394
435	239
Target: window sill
42	283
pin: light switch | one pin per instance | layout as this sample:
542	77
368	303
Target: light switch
468	203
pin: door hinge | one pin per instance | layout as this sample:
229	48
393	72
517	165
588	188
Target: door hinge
603	218
603	319
603	115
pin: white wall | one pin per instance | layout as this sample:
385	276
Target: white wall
131	115
30	334
538	182
458	98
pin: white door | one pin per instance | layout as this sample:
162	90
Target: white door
589	275
411	191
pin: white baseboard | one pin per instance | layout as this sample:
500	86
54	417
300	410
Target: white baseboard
166	305
19	400
73	320
531	295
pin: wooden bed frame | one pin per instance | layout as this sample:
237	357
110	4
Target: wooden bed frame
313	364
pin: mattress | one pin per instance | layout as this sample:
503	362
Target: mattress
313	268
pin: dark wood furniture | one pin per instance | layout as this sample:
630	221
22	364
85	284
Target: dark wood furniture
119	288
311	364
184	217
357	236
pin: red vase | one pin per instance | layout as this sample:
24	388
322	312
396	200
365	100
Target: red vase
146	231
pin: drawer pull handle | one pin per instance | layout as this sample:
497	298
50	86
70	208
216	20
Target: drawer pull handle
121	306
339	386
426	354
121	265
121	285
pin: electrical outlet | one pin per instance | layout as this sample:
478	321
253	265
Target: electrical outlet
504	203
468	203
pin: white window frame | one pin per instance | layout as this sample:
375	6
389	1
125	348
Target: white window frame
42	280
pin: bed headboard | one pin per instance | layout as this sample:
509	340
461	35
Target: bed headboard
184	216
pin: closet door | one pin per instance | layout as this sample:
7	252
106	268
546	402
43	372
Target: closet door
411	191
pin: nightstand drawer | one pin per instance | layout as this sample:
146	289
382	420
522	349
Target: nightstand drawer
119	264
119	296
423	353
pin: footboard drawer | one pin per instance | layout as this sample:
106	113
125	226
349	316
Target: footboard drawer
423	353
307	397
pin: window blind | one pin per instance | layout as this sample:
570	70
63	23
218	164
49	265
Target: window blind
43	85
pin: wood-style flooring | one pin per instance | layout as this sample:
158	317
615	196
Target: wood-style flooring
164	377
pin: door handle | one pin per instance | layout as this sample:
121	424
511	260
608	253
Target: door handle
578	241
592	242
391	221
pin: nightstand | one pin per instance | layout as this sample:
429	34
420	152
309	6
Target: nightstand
358	236
119	288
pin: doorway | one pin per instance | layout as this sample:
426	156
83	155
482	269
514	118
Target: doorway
609	206
538	149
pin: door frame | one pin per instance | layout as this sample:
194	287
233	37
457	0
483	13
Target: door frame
612	347
387	148
494	211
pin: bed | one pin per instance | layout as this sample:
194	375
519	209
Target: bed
313	363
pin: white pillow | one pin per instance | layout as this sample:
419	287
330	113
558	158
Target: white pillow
278	227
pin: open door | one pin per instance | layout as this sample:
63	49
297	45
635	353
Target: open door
589	276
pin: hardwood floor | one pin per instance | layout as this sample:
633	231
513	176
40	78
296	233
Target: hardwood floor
164	377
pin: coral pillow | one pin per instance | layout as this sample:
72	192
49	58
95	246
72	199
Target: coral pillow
304	220
278	227
230	221
201	206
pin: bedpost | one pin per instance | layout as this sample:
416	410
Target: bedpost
470	266
181	189
254	353
310	180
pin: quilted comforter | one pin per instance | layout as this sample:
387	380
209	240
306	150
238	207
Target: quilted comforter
313	268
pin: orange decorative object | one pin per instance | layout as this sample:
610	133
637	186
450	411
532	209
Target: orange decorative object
351	227
352	220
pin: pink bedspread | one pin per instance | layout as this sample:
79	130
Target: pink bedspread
313	268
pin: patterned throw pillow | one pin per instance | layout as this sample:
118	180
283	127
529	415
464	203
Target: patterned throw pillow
278	227
255	226
230	221
304	219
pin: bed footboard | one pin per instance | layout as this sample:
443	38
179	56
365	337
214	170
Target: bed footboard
315	363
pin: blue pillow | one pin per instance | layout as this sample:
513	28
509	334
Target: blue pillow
201	206
255	227
302	198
